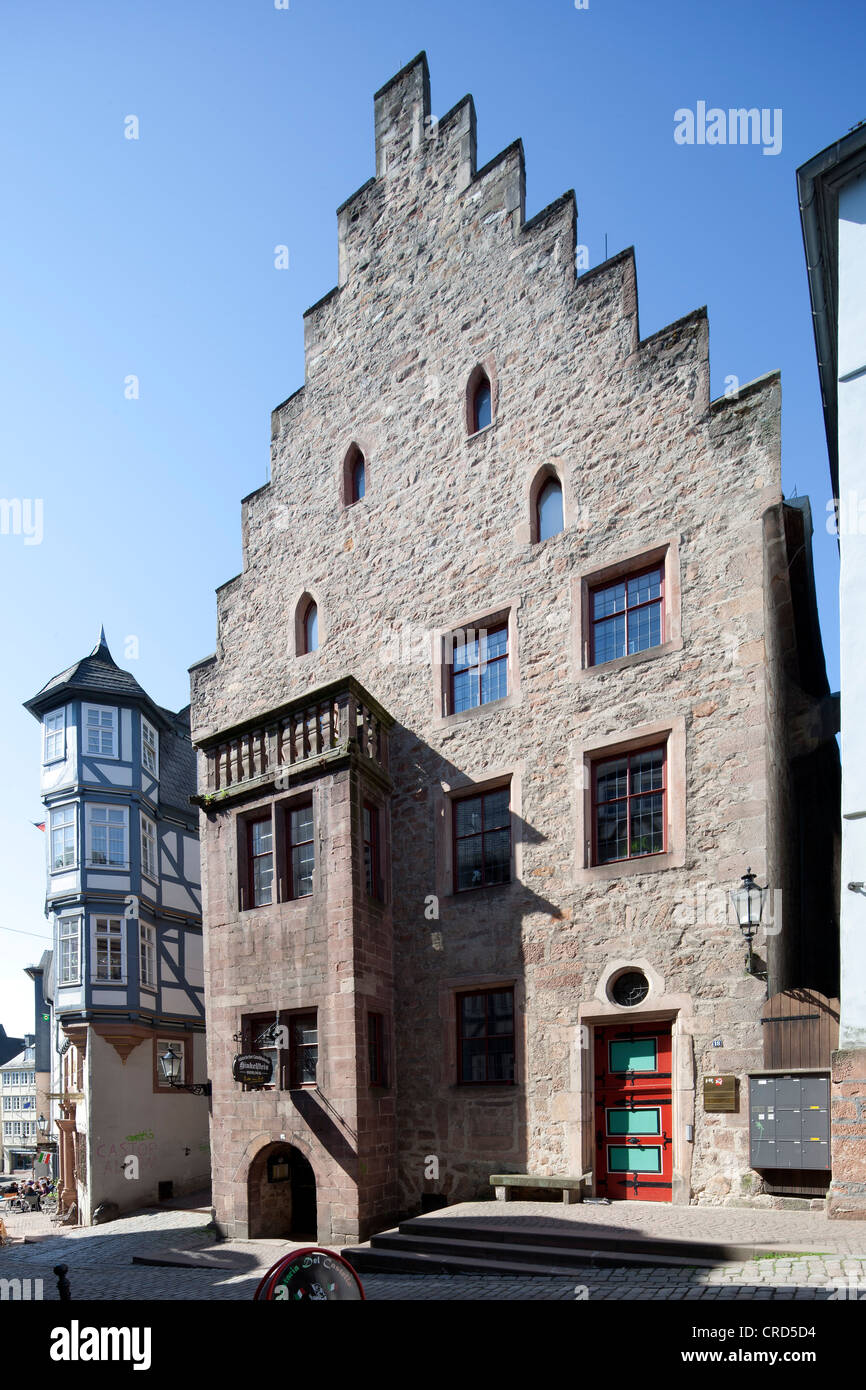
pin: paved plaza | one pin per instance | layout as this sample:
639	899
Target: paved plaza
830	1260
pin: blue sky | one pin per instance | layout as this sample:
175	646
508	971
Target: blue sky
155	258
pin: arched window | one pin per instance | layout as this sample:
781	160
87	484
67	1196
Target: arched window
549	510
359	470
306	625
354	476
481	405
311	628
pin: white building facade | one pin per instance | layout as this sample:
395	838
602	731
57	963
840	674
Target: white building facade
832	190
19	1109
126	983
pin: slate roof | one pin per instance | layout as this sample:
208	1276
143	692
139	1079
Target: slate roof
96	674
9	1047
22	1059
177	766
99	675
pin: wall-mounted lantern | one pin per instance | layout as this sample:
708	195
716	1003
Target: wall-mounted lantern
170	1064
748	902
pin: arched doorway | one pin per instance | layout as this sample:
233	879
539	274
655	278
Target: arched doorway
281	1189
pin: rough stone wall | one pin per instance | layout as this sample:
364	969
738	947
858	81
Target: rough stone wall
439	271
847	1198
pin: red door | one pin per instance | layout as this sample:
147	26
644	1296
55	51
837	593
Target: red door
633	1133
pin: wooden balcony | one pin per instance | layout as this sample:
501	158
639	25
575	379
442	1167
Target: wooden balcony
326	724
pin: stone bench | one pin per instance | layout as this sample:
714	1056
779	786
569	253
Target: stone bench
572	1187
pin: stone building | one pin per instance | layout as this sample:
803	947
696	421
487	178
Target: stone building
520	677
124	983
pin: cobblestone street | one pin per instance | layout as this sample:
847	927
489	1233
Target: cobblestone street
100	1267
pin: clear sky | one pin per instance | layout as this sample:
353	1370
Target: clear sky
155	258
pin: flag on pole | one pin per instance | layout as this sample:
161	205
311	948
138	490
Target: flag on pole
40	824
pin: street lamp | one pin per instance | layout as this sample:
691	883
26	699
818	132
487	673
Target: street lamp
748	902
170	1064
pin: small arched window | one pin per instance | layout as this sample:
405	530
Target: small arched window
481	405
354	476
310	629
549	510
359	478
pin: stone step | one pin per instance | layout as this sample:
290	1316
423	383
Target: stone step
516	1255
523	1260
576	1236
367	1261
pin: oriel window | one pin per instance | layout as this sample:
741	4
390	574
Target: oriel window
304	1049
303	849
62	837
108	941
260	845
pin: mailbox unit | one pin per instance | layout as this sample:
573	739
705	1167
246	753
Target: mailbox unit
789	1121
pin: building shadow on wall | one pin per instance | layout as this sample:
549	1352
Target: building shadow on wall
453	1133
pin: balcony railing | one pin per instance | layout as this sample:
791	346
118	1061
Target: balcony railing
333	720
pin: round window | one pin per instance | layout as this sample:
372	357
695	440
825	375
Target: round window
630	989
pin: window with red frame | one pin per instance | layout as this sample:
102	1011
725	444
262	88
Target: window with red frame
628	805
372	872
627	615
482	839
485	1036
479	667
260	855
376	1049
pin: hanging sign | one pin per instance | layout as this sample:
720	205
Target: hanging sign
252	1068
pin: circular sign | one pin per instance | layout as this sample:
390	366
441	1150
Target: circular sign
311	1276
252	1068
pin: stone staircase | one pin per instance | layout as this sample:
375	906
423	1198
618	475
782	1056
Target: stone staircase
437	1245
